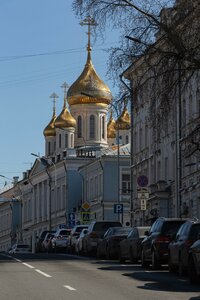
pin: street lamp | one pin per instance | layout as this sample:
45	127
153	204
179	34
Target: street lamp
48	162
118	154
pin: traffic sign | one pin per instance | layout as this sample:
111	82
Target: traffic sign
142	180
118	208
143	204
86	205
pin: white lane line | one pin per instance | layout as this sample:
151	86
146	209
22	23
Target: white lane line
69	287
29	266
17	259
45	274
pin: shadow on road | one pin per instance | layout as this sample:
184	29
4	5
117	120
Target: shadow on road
160	280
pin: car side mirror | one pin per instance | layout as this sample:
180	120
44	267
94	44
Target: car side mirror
147	233
85	231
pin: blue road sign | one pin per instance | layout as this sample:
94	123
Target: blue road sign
142	181
118	208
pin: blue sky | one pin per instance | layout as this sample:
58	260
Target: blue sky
42	45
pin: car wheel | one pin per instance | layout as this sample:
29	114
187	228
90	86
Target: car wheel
98	252
108	256
144	262
132	258
172	268
154	261
192	271
121	258
181	270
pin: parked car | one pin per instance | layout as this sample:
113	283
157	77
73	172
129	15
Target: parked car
130	247
194	262
155	246
108	245
46	244
40	239
74	234
60	239
179	247
96	230
79	242
20	248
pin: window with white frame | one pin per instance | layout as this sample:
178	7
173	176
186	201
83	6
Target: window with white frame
79	127
126	183
66	141
103	127
92	127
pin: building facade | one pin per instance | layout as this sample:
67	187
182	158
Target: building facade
166	147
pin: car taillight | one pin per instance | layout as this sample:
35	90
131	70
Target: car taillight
189	243
75	234
163	239
93	235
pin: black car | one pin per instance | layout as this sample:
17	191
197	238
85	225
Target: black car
179	247
130	248
194	262
108	246
95	232
155	246
40	239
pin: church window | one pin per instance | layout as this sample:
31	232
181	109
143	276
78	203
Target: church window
92	127
49	148
66	140
59	140
103	127
79	127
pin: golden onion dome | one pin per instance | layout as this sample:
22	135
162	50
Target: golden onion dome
65	119
123	122
89	88
111	131
49	130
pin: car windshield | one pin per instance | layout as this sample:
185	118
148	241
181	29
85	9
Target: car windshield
195	231
103	226
170	228
121	231
23	246
79	229
65	232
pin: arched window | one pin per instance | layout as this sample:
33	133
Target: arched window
66	141
92	127
103	127
79	127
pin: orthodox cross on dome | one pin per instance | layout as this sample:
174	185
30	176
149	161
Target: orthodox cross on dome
65	87
54	96
88	21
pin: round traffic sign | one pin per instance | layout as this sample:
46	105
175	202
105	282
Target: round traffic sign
142	180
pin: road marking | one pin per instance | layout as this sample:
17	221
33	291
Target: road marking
45	274
29	266
17	259
69	287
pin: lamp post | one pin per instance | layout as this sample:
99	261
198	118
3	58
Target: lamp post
48	162
118	154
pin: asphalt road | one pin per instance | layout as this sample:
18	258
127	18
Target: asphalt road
61	277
